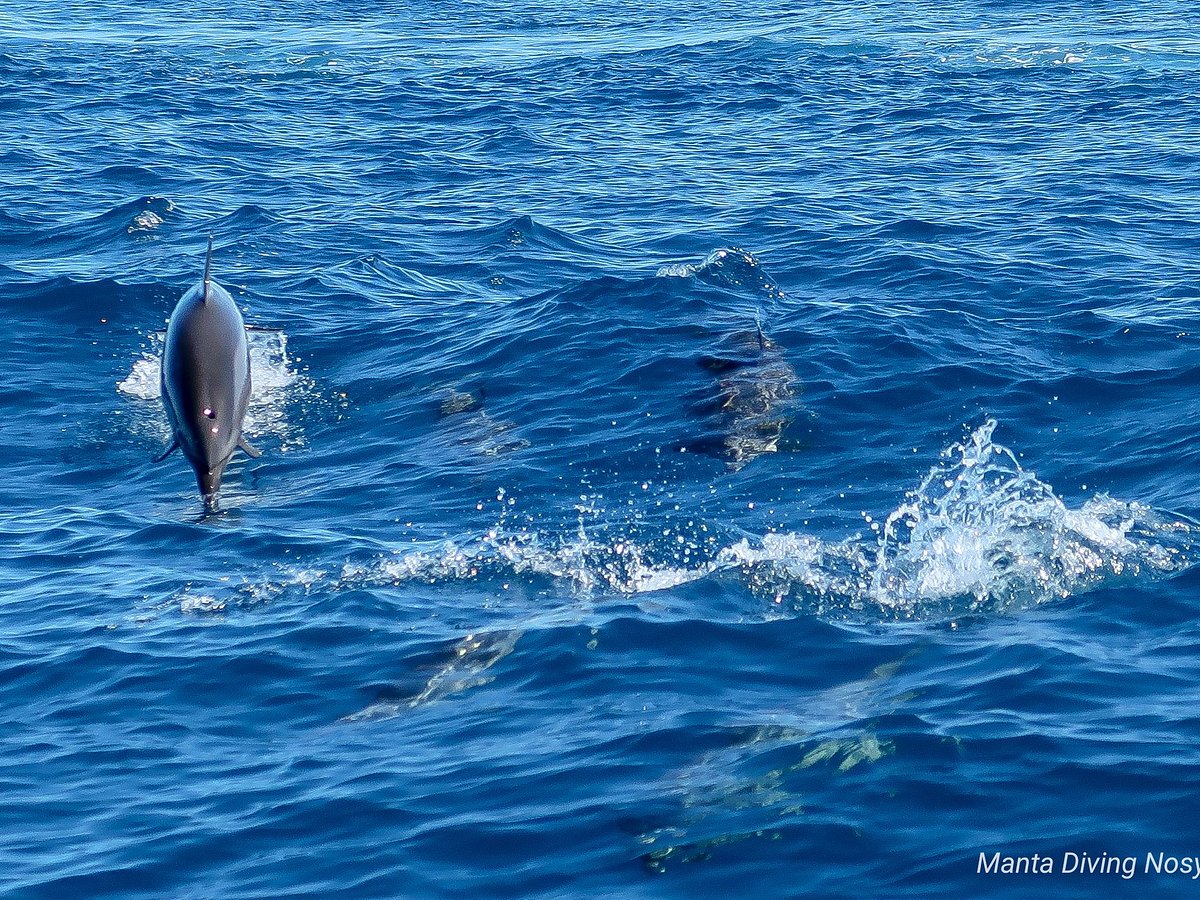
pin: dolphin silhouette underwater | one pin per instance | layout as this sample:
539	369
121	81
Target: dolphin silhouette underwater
206	381
756	390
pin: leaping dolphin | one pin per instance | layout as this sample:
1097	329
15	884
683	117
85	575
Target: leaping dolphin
206	381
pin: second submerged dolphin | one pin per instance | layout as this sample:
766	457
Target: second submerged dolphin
756	392
206	380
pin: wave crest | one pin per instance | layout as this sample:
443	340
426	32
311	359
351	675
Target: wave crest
728	267
620	565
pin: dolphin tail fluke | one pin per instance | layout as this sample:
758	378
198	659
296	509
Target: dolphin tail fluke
249	449
207	268
174	446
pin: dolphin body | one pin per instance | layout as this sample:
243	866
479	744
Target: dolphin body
756	390
206	381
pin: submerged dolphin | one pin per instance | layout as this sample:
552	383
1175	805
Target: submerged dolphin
755	391
206	380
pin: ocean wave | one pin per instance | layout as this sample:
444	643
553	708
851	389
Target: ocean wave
377	270
85	301
730	267
588	564
135	218
247	219
521	232
14	229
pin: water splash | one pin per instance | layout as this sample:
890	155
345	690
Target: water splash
980	526
979	533
152	214
273	380
588	565
823	575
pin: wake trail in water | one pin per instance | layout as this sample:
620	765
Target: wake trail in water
978	534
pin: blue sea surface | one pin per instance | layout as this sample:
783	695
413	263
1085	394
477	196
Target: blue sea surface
710	450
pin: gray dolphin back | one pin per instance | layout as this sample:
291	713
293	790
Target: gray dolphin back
206	379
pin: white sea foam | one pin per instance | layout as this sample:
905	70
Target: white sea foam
588	565
200	603
1026	56
142	382
978	533
148	220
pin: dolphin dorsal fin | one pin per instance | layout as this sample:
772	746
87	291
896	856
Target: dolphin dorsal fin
207	268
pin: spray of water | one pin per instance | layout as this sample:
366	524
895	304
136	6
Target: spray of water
273	379
979	533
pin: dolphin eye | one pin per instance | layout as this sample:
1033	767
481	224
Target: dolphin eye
211	413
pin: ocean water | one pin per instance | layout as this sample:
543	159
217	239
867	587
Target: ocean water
728	449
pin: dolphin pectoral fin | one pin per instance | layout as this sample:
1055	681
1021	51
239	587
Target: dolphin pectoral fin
249	449
174	446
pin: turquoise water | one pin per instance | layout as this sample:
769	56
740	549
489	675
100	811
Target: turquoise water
737	450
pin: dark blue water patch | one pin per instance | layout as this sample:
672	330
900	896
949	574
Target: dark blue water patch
63	301
249	218
14	227
133	174
129	220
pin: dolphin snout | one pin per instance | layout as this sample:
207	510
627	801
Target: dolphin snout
209	479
